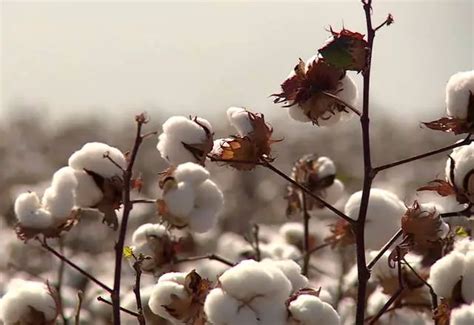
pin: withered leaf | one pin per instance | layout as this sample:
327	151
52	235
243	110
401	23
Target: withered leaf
439	186
341	234
442	313
450	124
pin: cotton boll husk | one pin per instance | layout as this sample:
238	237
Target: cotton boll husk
458	90
291	270
91	157
22	295
29	212
87	192
146	230
463	161
180	200
223	309
248	279
309	309
463	315
239	119
297	114
446	272
468	278
383	216
191	173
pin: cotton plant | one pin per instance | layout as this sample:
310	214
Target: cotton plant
29	302
190	199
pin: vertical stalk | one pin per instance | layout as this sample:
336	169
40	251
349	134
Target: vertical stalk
306	253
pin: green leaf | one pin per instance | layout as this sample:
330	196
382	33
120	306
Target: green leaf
127	252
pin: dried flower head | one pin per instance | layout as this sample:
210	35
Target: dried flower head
346	50
306	90
250	146
317	174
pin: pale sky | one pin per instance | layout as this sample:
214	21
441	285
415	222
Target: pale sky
78	58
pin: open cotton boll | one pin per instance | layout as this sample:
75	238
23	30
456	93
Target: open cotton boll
468	278
223	309
180	200
208	202
240	120
91	157
309	310
168	286
178	131
463	315
383	215
291	270
142	233
23	296
333	193
446	272
464	245
326	167
297	114
191	173
87	192
347	90
29	212
463	164
458	90
59	199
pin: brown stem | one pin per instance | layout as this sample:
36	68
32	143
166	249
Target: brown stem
136	291
384	249
343	102
73	265
127	207
125	310
466	141
388	21
306	254
116	164
59	283
358	227
256	239
204	257
434	297
143	201
77	316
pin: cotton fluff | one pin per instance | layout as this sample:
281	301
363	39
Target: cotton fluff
463	315
54	208
16	304
291	270
170	286
280	251
458	90
463	164
449	270
383	216
239	118
195	200
91	157
311	310
179	130
250	293
147	230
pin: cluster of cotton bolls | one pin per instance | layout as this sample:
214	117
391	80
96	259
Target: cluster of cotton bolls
76	185
190	198
28	302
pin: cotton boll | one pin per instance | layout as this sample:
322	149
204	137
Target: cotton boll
239	119
91	157
458	90
383	216
468	278
381	269
330	119
223	309
21	296
463	163
334	192
142	233
292	232
348	90
59	199
463	315
87	192
291	270
446	272
169	285
464	245
180	200
309	309
280	251
208	202
29	212
190	173
297	114
326	167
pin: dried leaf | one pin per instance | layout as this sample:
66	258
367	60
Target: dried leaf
442	314
342	234
440	186
450	124
347	50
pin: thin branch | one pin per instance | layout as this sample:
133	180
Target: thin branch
136	290
384	249
149	134
125	310
434	297
204	257
388	21
466	141
256	238
107	156
77	316
74	266
143	201
343	102
127	207
306	254
59	283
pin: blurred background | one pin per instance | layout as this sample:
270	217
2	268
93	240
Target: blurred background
76	72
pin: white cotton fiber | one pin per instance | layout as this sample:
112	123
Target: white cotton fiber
446	272
458	90
309	310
